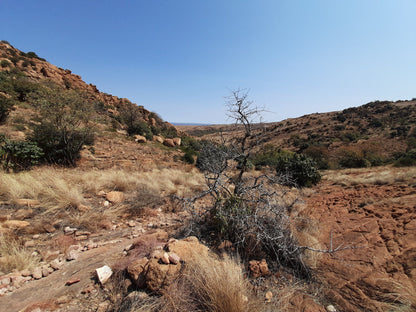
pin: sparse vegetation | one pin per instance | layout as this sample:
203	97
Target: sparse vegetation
19	155
13	256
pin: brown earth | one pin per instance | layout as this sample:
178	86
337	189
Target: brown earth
378	222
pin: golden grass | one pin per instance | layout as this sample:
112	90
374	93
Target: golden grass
66	188
14	256
378	176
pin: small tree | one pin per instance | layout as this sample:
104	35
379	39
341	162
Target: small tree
64	125
6	105
247	209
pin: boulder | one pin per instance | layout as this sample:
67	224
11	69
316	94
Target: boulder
157	138
169	143
188	249
160	276
115	197
136	271
177	141
140	139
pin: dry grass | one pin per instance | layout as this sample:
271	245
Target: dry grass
66	188
14	256
378	176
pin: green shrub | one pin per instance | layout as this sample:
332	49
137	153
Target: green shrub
350	157
4	63
406	159
299	169
319	154
6	105
268	156
19	155
64	126
189	157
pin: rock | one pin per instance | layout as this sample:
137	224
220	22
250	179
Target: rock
165	258
159	276
5	281
72	281
174	258
83	208
82	233
25	273
269	296
169	143
188	249
104	273
29	244
49	228
136	271
37	273
50	255
15	224
69	231
27	202
103	306
140	139
72	255
36	236
17	281
128	247
115	197
101	193
56	264
131	223
157	138
45	272
331	308
258	268
177	141
24	213
106	203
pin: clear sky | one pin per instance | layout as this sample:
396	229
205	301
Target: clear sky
180	58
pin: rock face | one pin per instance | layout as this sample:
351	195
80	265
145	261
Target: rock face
379	220
115	197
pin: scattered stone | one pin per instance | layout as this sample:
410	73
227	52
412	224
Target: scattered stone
25	273
128	247
72	281
17	281
29	244
81	238
104	273
106	203
269	296
150	225
103	306
24	213
115	197
165	258
88	290
264	269
331	308
101	193
72	255
49	228
83	208
259	268
50	255
136	269
131	223
15	224
56	264
36	236
27	202
174	258
5	281
69	231
37	273
45	272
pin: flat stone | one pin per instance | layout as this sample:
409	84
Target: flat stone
104	273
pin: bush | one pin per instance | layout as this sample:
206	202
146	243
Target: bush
350	157
5	106
268	156
319	154
19	155
64	126
300	169
406	159
189	157
4	63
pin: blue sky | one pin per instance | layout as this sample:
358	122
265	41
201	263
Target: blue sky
180	58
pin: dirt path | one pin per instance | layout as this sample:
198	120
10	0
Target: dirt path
52	287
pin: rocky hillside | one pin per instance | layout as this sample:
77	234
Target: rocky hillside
37	70
377	132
